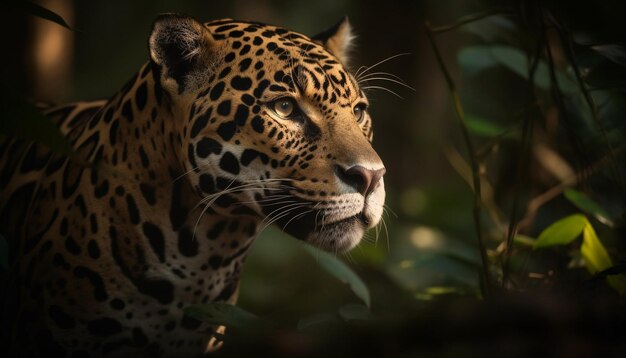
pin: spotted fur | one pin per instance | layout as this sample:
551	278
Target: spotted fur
192	158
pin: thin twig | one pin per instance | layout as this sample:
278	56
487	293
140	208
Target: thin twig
541	199
464	170
485	281
469	19
522	160
581	154
566	43
519	119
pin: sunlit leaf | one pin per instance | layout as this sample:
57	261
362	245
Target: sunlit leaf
341	271
562	232
597	258
592	250
220	313
355	312
584	203
39	11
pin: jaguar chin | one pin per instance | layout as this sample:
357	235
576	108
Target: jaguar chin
335	226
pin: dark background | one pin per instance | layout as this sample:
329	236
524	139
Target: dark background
423	269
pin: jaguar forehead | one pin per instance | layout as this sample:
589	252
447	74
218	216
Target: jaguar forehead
305	66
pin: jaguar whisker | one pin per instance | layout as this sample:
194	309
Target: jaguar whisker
369	79
381	73
296	217
382	88
280	216
379	63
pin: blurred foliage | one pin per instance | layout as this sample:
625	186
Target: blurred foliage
19	118
540	91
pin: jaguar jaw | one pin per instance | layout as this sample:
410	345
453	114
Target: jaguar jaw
332	228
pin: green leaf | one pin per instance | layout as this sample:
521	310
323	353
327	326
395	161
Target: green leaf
450	266
433	292
562	232
20	118
618	282
220	313
592	250
597	259
482	127
524	240
340	271
474	59
355	312
584	203
40	11
352	312
517	61
493	28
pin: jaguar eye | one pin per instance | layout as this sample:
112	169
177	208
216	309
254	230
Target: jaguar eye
284	107
359	111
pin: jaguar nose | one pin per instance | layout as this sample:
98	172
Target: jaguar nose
360	178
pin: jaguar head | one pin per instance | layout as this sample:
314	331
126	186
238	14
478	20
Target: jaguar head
272	124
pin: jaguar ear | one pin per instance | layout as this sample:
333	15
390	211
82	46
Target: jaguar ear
337	39
178	44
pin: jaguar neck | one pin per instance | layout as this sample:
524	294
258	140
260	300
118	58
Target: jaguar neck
198	251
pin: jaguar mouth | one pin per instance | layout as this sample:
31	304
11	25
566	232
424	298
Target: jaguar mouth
306	223
339	236
360	218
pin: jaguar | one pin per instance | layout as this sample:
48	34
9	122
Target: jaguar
230	126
